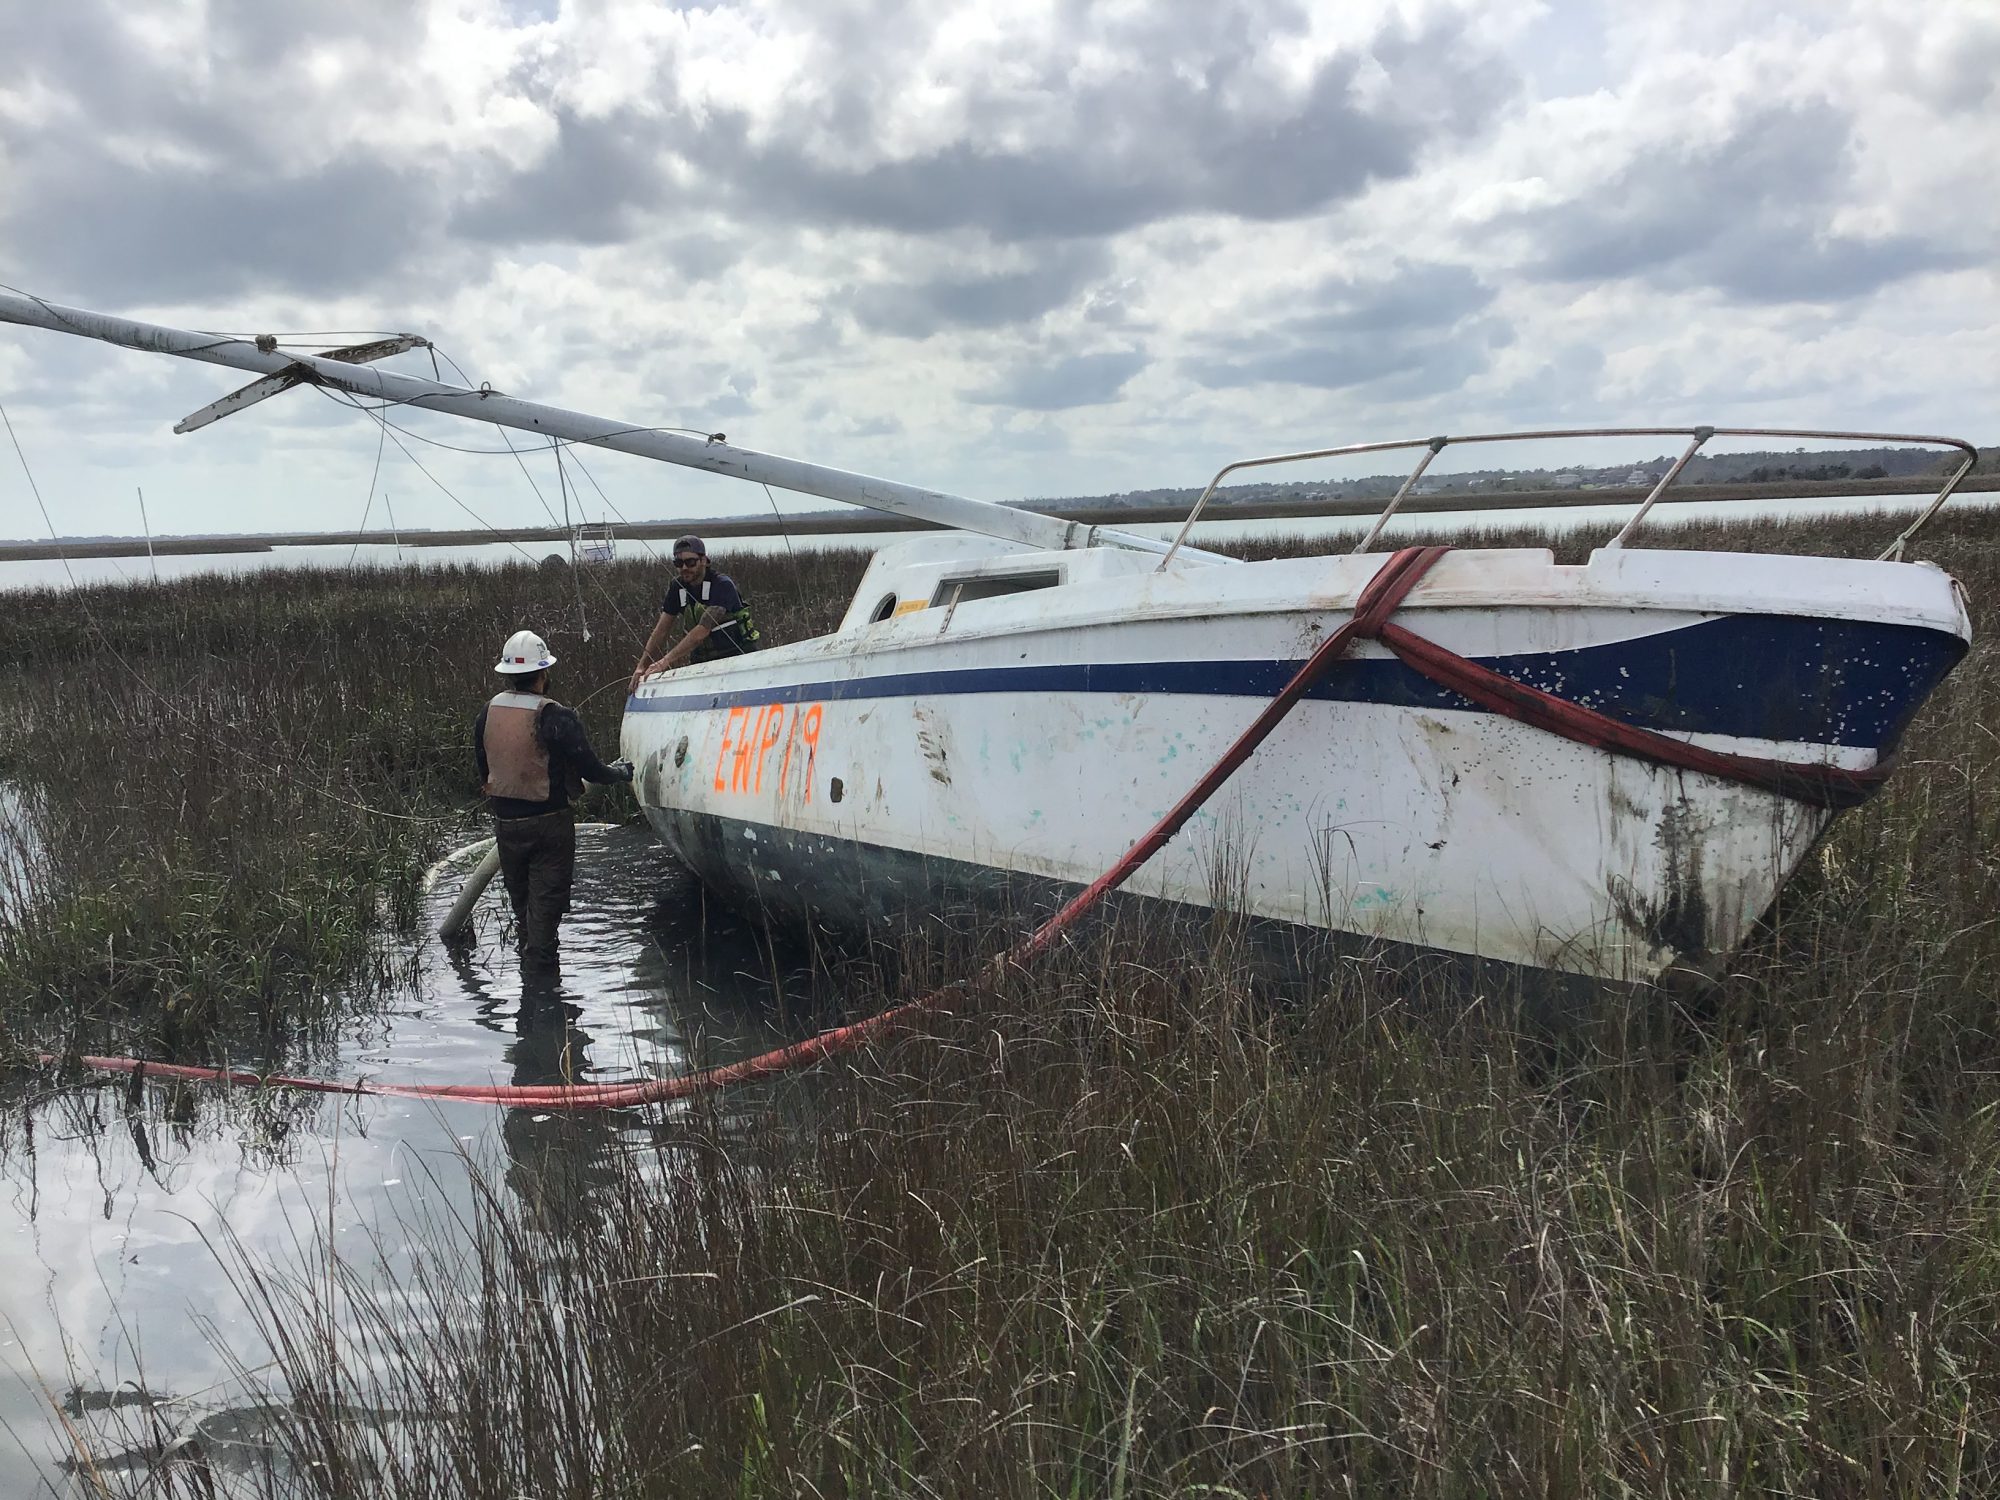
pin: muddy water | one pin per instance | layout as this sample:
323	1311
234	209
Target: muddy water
117	1217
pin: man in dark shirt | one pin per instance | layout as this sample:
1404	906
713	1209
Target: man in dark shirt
532	752
709	608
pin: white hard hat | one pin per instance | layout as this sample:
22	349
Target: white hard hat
525	653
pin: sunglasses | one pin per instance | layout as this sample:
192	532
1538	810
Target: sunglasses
686	562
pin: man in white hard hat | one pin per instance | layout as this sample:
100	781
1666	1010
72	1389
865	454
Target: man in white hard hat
532	753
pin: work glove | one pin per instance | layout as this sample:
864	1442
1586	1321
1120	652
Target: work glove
624	770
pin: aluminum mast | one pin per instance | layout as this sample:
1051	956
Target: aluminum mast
262	357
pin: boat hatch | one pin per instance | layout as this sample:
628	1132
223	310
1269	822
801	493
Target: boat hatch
965	587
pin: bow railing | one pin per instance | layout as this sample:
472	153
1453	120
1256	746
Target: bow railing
1696	437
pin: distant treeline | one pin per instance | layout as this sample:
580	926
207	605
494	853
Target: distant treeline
1767	467
1781	475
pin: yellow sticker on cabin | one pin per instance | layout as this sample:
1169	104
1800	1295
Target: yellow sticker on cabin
910	607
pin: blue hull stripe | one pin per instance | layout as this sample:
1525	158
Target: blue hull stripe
1849	683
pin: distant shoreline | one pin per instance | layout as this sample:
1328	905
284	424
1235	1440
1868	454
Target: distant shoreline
1092	515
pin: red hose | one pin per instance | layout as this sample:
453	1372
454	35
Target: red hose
1821	786
1384	593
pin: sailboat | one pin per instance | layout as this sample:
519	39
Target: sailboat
1606	768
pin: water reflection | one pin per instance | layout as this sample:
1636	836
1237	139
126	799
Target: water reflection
116	1205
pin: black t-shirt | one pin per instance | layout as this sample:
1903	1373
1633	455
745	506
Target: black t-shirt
722	595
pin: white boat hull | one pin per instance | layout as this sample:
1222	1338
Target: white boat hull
1038	735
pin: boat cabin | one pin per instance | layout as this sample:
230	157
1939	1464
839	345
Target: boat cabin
956	569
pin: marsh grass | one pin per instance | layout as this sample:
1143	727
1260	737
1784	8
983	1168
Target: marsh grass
1129	1225
225	789
1125	1227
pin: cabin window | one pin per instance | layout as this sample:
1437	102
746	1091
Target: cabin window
883	610
995	585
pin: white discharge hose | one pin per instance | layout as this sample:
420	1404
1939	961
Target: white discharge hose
465	851
482	875
460	916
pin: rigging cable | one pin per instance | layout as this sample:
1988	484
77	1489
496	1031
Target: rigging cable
36	491
518	455
384	403
622	520
483	522
559	444
798	577
575	577
381	437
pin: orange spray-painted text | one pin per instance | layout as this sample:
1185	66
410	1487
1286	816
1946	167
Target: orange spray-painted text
754	738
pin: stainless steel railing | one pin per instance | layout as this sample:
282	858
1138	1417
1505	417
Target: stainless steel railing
1696	436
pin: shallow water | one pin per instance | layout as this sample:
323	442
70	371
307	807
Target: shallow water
116	1218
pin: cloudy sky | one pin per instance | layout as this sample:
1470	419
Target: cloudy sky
1011	249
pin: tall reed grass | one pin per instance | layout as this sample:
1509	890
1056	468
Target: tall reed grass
1126	1225
224	789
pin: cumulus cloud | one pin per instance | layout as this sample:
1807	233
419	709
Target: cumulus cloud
965	242
1415	323
1095	121
926	304
1063	382
592	184
1752	213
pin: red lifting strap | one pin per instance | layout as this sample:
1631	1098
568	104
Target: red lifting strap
1385	592
1819	785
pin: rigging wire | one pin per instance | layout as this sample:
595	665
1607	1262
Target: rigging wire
386	431
74	327
376	408
288	337
360	530
390	431
575	578
448	493
556	445
559	444
374	475
36	489
384	403
798	577
577	459
572	444
517	453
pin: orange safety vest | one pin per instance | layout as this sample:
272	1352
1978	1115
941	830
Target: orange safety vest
517	762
